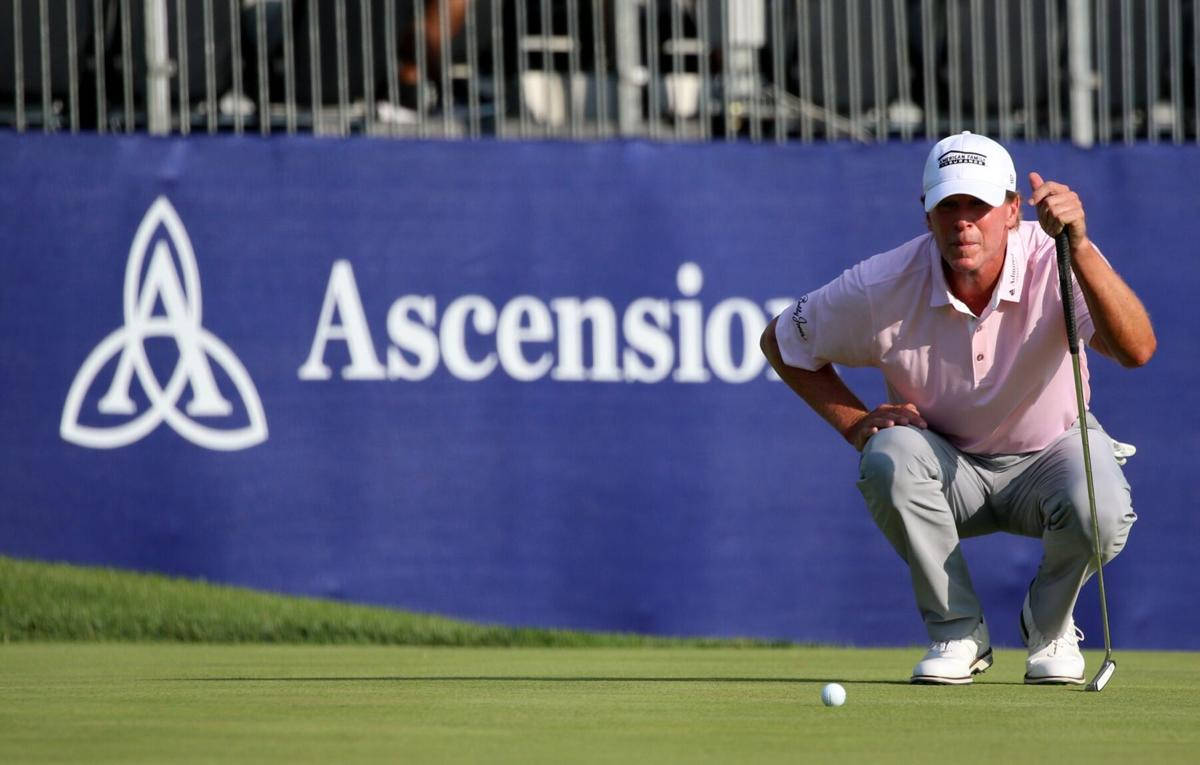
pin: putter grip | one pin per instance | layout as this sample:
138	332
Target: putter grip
1062	245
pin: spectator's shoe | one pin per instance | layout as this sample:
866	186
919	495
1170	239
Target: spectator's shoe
954	662
408	110
1052	660
231	105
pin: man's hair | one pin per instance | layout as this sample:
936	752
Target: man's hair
1010	196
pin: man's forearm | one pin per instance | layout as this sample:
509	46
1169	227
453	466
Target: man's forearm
823	390
1120	319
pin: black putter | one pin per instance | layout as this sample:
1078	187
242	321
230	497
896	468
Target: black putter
1064	279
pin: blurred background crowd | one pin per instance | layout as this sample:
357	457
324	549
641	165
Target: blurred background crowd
778	70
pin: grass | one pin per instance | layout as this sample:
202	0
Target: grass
102	666
47	601
185	703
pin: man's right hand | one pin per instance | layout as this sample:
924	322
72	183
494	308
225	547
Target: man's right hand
884	416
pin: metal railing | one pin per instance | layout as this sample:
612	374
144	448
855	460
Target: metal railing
762	70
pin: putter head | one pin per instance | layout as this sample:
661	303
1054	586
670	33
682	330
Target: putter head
1103	676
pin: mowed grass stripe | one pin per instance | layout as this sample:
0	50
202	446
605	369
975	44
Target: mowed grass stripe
160	702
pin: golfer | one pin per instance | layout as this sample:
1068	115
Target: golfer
979	432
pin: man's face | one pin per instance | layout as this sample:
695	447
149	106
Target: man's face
970	233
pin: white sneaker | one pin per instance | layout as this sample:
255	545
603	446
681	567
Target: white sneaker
1052	660
953	662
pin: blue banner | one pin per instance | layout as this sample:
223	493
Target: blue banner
519	382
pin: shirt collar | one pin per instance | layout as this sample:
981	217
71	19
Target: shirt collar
1012	276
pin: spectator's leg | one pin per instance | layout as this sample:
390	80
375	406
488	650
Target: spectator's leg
456	14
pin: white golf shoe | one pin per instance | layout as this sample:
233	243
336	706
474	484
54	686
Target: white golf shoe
1052	660
954	662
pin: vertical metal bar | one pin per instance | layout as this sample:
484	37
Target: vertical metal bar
1003	72
422	66
522	32
289	67
1127	124
367	28
340	31
18	66
1103	63
854	66
444	58
1175	26
1079	48
1029	104
158	66
929	66
677	68
547	65
652	58
210	68
629	68
829	84
499	105
264	82
903	64
804	69
314	65
598	10
573	65
235	35
473	117
954	64
181	57
702	32
978	68
127	65
1152	75
1054	71
389	47
726	101
1103	55
879	69
44	42
72	66
777	73
754	15
1196	74
101	61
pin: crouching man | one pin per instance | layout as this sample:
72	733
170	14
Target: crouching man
980	430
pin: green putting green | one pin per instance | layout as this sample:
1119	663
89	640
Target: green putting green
99	665
179	703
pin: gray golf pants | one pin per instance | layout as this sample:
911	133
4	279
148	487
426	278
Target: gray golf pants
925	496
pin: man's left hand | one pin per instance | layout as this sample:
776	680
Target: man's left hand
1057	208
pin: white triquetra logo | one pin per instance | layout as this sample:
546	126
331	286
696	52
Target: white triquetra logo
180	320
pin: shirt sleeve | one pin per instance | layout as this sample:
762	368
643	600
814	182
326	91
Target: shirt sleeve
829	325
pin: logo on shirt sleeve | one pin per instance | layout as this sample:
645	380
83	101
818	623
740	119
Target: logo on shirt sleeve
799	319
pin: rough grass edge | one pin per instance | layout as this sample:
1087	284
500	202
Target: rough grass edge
43	601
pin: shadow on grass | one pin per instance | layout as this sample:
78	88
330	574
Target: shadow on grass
552	679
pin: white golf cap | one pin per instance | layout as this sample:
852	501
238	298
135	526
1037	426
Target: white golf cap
968	164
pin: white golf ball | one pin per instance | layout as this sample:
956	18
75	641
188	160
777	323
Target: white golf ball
833	695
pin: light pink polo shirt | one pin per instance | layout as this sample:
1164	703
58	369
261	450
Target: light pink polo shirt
997	384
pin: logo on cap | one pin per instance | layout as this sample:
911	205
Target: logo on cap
180	320
959	157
